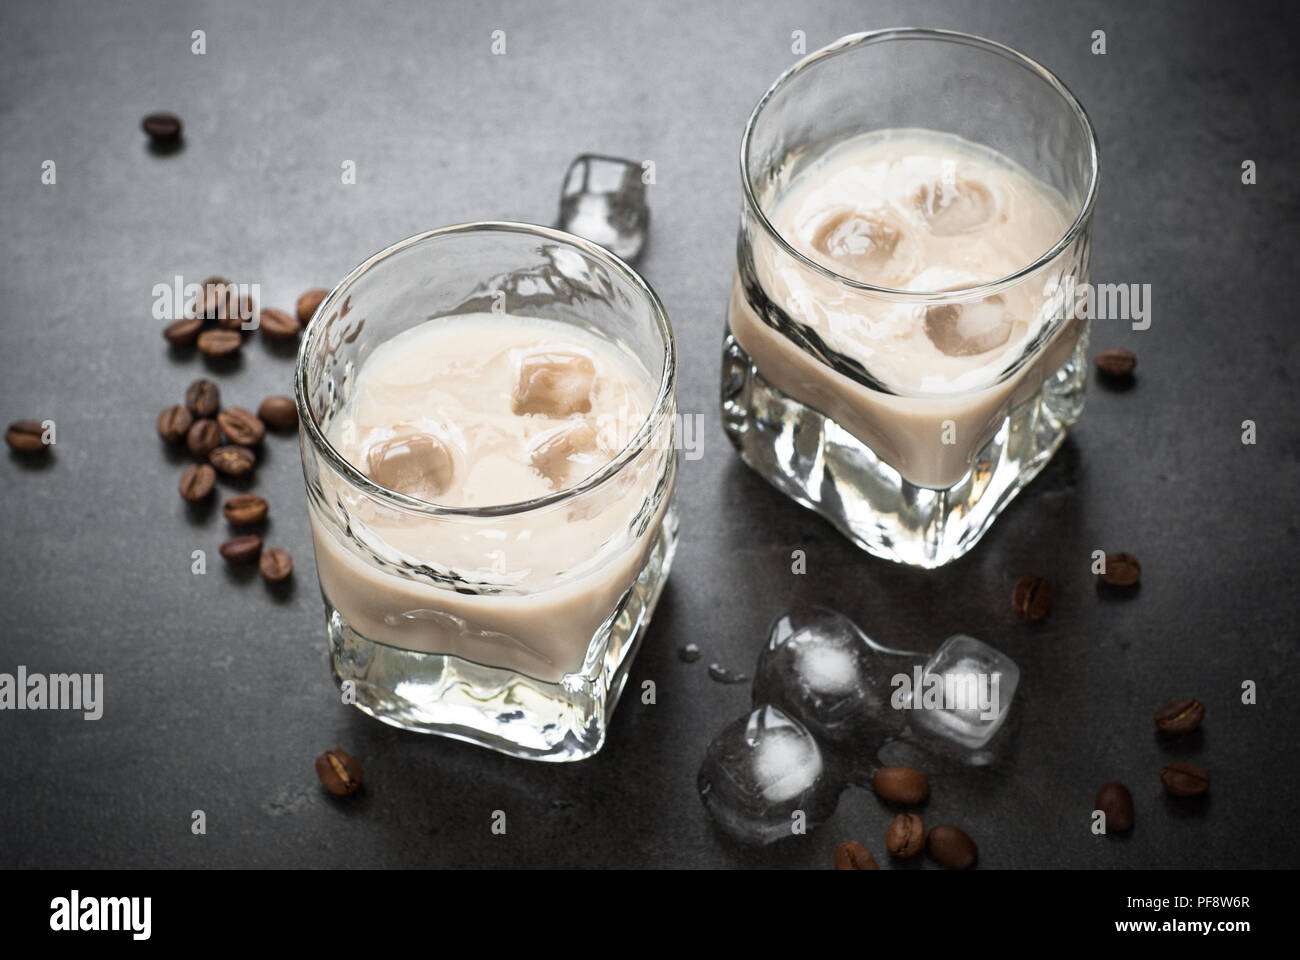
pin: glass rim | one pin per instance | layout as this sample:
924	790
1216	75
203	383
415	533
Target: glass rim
854	40
314	331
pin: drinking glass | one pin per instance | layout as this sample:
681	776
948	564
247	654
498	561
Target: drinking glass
911	475
509	626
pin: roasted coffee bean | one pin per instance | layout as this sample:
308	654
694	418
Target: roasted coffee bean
308	303
906	835
174	422
162	127
223	302
241	427
241	550
900	785
1032	597
24	436
212	299
851	855
244	509
239	309
1114	800
1180	716
182	332
279	413
278	325
951	847
220	343
339	772
203	438
1116	363
1185	779
200	298
203	398
197	482
1122	570
276	565
233	461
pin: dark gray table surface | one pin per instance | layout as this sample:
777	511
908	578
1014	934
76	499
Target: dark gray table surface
218	695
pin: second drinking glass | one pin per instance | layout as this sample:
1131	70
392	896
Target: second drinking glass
902	351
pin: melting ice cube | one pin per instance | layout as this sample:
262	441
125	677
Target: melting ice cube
823	670
566	454
965	692
859	242
955	205
603	200
759	771
417	464
966	330
554	383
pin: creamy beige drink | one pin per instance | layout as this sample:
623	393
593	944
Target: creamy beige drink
919	211
477	411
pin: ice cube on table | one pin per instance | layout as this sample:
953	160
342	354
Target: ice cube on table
761	769
821	669
965	692
603	200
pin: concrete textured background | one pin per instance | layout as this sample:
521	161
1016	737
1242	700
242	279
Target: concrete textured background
217	693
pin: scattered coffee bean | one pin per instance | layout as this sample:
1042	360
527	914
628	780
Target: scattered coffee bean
173	423
241	550
162	127
235	309
951	847
1185	779
1122	570
279	413
24	436
339	772
1116	363
851	855
203	397
197	482
213	299
308	303
276	565
183	331
906	835
241	427
244	509
1032	597
900	785
203	438
220	343
1180	716
1114	800
233	461
278	325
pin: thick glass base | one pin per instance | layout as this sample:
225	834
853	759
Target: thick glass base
503	709
813	460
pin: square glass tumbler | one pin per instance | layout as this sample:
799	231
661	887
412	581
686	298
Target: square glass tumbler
913	476
509	626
